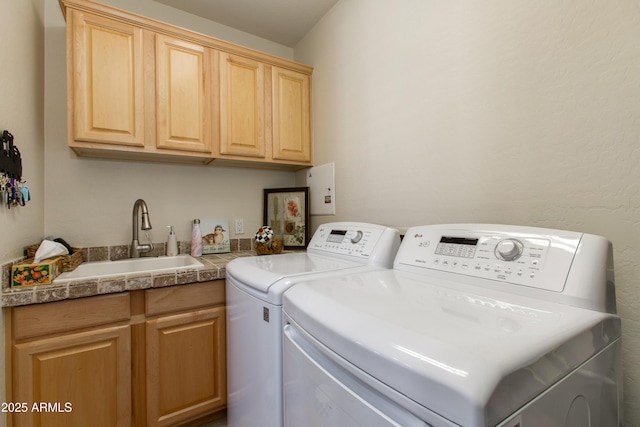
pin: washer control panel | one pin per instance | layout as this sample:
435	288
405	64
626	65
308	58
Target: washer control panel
346	239
539	258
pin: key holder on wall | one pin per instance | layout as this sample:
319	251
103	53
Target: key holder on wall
10	159
13	192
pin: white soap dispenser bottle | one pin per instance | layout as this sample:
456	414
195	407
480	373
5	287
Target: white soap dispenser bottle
172	242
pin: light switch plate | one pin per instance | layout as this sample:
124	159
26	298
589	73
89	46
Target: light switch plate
322	189
239	226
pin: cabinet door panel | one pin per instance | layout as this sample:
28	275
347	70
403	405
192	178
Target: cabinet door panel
58	373
242	106
183	95
108	81
291	115
185	366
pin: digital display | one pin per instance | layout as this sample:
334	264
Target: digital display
459	240
336	236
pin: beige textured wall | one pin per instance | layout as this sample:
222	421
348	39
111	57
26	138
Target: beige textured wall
21	112
21	88
164	13
488	111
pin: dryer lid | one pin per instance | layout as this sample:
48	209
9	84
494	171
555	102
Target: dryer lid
469	354
261	272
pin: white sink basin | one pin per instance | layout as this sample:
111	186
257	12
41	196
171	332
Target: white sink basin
91	270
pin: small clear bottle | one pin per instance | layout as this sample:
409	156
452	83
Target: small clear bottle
196	239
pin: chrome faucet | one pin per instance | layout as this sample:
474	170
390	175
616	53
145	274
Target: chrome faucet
136	247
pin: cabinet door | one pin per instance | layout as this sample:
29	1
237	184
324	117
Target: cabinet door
186	366
242	106
291	115
82	379
107	81
183	96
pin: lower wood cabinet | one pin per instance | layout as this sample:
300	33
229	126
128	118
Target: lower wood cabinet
139	358
74	378
185	366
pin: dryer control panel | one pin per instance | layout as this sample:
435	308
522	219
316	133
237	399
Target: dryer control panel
532	257
355	239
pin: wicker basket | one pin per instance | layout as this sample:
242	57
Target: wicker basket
275	246
69	262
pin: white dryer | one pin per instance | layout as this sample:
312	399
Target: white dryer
254	291
475	326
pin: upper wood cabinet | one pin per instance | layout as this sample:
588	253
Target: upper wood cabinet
183	93
242	106
291	95
143	89
264	112
107	86
136	94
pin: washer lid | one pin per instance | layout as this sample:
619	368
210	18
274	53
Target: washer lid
469	354
261	272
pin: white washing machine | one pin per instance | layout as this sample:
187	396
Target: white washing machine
476	325
254	310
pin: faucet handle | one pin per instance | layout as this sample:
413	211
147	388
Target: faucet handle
149	240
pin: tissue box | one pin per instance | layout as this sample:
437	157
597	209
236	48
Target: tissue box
29	273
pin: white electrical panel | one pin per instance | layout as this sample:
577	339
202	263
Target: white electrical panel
322	192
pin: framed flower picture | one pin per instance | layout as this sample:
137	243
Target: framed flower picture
286	211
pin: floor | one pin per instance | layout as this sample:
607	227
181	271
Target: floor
222	422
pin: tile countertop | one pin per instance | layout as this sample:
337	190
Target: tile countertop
214	269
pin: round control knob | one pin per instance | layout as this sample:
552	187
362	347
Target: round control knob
357	237
509	249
